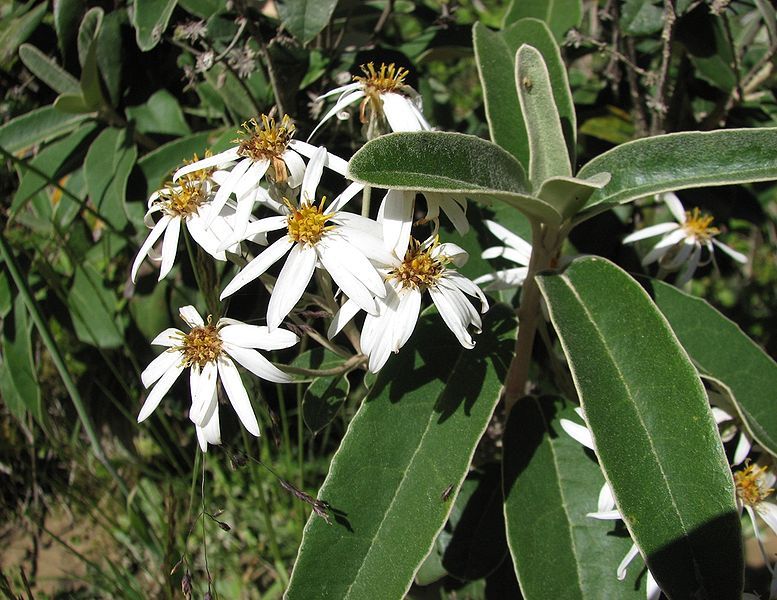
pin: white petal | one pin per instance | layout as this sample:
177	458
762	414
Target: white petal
159	391
466	286
353	273
507	253
768	512
396	217
226	190
211	161
649	232
170	246
506	236
675	206
663	246
454	253
237	394
258	265
681	255
258	336
190	316
152	238
578	433
207	239
737	256
652	589
334	162
342	317
405	318
345	197
451	313
159	366
690	268
503	280
169	337
341	90
211	432
606	499
621	572
605	515
267	224
203	391
400	113
291	283
455	212
295	165
312	176
342	102
251	178
742	449
257	364
242	215
370	246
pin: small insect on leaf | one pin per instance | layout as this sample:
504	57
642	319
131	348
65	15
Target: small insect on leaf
528	83
446	493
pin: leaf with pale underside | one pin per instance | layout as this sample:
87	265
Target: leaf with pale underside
648	412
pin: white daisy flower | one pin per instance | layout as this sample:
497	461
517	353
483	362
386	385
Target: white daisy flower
754	485
606	509
384	96
397	211
341	243
730	427
207	350
422	269
684	242
266	149
516	250
189	202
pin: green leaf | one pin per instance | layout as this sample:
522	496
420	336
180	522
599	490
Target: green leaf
160	114
47	70
150	21
615	127
231	92
719	348
110	54
447	162
67	15
642	17
16	32
323	399
88	31
495	58
92	307
108	164
682	160
48	165
306	18
19	380
560	15
158	165
547	149
648	413
705	39
36	126
90	80
568	194
204	9
72	104
550	484
410	441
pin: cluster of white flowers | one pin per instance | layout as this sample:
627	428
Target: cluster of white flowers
264	190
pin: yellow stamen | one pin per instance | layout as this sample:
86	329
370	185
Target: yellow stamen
307	224
700	225
267	141
751	485
419	267
200	346
182	199
388	78
201	175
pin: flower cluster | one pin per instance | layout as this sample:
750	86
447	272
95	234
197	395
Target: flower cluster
264	190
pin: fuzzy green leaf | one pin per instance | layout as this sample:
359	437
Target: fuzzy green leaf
548	155
411	440
160	114
648	412
47	70
88	31
306	18
560	15
16	32
682	160
719	348
36	126
108	164
550	484
451	163
150	21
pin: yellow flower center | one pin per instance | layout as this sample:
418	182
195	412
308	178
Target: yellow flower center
308	223
267	141
699	225
388	78
419	267
200	346
751	485
183	199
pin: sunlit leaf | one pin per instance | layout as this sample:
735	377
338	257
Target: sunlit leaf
559	15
